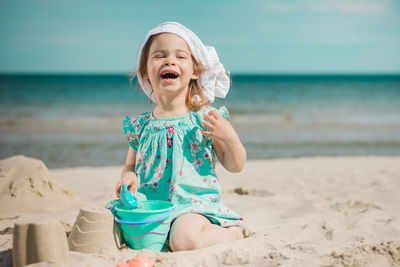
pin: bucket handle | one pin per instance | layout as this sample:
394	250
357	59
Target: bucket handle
145	221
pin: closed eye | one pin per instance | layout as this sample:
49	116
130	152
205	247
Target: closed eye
181	56
158	54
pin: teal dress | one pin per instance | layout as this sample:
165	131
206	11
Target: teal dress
176	163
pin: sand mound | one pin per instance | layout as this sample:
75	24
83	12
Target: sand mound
27	185
367	254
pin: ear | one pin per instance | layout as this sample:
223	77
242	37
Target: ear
195	75
145	76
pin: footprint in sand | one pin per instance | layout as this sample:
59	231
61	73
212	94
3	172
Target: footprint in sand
301	247
352	207
233	257
276	256
327	231
252	192
358	256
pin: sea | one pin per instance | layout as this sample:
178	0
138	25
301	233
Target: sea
76	120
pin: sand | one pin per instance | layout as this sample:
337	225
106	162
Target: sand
339	211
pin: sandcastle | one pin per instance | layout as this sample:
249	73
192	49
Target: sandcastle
93	231
28	186
45	240
41	241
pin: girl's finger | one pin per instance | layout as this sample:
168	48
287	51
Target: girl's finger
118	189
208	125
210	117
214	114
206	133
131	188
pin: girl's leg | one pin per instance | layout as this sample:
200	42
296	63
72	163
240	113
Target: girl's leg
193	231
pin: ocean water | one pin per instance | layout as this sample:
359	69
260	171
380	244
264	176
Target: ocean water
75	120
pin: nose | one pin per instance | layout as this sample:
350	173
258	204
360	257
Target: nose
169	61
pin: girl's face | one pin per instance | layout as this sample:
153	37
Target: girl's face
169	65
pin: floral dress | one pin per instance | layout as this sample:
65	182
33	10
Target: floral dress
176	163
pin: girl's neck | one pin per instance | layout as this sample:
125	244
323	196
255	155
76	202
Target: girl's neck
168	108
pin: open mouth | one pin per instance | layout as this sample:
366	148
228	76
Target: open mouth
169	75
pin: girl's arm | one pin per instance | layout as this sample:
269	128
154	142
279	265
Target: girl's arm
227	145
128	175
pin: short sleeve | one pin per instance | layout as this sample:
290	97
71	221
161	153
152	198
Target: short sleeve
131	132
224	113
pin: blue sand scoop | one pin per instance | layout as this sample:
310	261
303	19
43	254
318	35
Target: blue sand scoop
127	198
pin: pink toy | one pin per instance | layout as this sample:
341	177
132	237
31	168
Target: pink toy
141	261
122	264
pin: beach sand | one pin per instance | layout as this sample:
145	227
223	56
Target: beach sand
336	211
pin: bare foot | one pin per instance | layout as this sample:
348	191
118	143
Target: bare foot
236	232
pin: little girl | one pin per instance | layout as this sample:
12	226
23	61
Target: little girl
172	150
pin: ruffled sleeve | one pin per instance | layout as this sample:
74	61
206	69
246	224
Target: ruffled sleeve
222	111
131	132
133	128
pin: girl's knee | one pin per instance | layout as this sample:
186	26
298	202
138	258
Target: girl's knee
184	240
186	232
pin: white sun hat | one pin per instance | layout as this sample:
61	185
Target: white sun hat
214	81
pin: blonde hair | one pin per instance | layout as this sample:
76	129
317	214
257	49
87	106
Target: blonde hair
194	85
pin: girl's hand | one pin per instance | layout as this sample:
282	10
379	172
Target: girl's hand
230	151
131	180
219	128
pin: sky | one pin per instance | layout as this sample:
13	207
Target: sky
254	36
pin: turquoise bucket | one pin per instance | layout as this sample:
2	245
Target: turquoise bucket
147	226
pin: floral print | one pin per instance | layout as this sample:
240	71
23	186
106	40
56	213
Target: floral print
171	129
170	142
194	146
197	163
176	163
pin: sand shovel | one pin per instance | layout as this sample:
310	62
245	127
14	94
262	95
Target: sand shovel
127	198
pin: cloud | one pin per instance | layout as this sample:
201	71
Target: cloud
338	6
351	7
